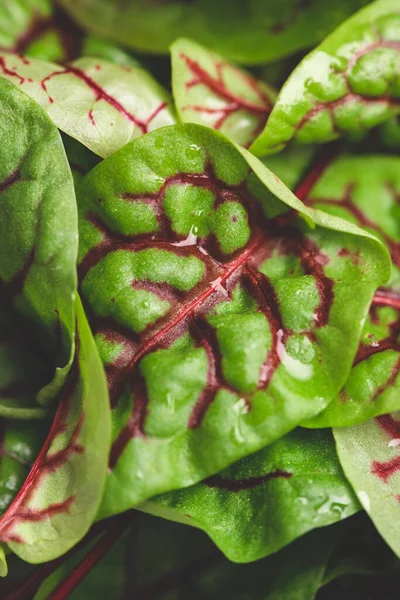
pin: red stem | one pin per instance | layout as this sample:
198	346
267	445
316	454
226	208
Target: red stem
114	531
318	168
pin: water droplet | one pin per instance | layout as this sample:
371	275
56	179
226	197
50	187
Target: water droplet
394	443
301	500
139	475
217	285
191	239
240	408
170	402
295	367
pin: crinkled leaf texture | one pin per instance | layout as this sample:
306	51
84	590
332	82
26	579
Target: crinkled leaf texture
226	312
366	190
210	91
268	499
112	104
38	226
59	499
348	84
370	457
250	32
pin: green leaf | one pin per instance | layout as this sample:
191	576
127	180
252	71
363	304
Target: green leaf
348	84
369	454
100	48
59	499
187	252
20	17
116	103
366	190
268	499
389	133
361	551
37	28
38	227
212	92
250	32
20	444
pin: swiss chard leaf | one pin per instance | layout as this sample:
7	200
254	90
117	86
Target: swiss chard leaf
37	198
249	32
38	28
366	190
116	103
188	251
268	499
349	83
370	457
59	499
211	91
20	444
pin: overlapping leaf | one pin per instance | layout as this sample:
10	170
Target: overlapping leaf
222	322
366	190
111	105
348	84
38	28
37	195
265	501
210	91
252	32
370	457
58	501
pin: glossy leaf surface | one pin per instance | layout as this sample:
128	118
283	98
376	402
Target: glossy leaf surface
211	91
250	32
113	104
366	190
186	255
59	499
370	457
348	84
268	499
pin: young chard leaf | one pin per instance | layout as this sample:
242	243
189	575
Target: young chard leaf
370	457
349	83
250	32
366	191
38	28
116	103
268	499
37	269
59	499
211	91
188	250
